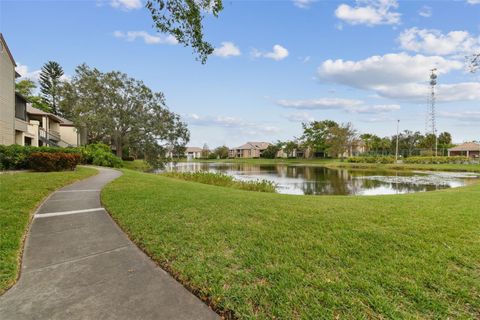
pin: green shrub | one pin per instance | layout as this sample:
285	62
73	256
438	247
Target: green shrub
53	161
15	157
100	154
437	160
372	159
223	180
128	158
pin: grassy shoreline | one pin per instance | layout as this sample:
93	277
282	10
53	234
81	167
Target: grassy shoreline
139	165
21	193
262	255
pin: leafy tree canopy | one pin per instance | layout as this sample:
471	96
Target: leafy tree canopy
183	19
26	88
222	152
315	134
124	113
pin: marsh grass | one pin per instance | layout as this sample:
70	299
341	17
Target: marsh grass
223	180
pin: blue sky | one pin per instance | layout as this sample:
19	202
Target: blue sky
277	63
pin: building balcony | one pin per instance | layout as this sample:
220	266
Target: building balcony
21	125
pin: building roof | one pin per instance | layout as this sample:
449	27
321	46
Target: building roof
65	122
254	145
35	111
2	39
467	146
194	149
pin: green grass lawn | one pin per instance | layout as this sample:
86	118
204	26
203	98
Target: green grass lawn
264	255
20	194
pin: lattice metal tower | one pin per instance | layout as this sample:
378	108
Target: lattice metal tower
430	120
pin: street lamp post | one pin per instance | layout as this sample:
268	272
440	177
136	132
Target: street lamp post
396	148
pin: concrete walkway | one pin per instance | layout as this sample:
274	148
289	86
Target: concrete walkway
78	264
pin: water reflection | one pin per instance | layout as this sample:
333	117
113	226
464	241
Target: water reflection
316	180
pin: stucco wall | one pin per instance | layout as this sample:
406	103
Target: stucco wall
69	135
7	98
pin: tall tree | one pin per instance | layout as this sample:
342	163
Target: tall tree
427	141
271	151
222	152
26	88
290	147
50	80
341	140
315	134
123	112
183	19
205	151
445	140
408	141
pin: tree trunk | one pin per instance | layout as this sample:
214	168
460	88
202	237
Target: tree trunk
119	146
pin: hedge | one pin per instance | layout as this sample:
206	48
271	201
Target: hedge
437	160
49	161
372	159
16	157
412	160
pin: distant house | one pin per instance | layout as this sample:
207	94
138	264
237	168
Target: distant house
249	150
193	152
468	149
357	147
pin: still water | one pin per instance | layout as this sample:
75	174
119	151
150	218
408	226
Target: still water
317	180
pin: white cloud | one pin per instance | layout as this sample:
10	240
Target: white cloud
241	126
463	91
389	70
278	53
375	109
434	42
228	49
465	116
24	72
147	38
305	59
347	105
304	4
126	4
400	76
369	12
299	117
319	104
473	1
425	12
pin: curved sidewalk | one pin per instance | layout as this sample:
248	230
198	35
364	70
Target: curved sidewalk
78	264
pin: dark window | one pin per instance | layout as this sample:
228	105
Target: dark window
20	108
28	141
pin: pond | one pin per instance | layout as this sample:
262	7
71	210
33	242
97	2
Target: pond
318	180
